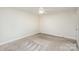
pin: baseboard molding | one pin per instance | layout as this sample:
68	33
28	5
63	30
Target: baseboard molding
27	35
59	36
20	37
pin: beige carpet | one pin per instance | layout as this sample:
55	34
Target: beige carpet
41	42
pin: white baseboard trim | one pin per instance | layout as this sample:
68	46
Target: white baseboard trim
26	35
29	34
60	36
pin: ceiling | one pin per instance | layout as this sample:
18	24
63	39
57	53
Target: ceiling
48	10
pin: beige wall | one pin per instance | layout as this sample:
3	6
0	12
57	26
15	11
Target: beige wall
60	24
16	23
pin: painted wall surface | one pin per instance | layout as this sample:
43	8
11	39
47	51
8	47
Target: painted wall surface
16	23
61	24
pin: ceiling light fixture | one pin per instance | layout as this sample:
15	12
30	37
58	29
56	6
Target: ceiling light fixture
41	10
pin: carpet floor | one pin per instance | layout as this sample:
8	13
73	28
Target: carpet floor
41	42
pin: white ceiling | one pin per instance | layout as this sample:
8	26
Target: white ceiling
49	10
